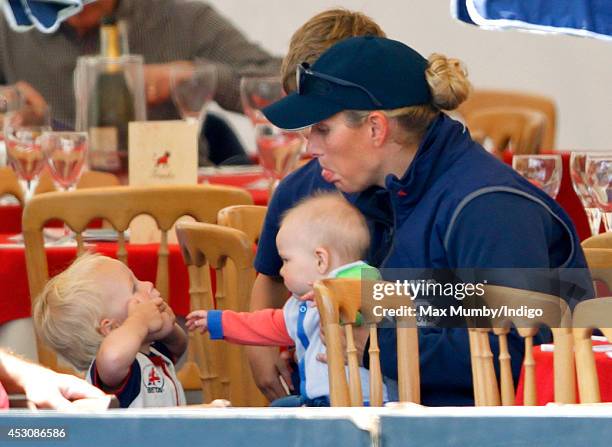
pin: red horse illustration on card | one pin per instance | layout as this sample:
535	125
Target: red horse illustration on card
161	164
163	160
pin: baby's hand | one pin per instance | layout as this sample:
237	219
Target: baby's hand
147	313
168	320
198	319
308	296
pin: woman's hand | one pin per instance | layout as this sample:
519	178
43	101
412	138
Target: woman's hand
268	366
43	387
361	334
48	389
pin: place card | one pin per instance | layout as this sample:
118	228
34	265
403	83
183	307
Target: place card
160	153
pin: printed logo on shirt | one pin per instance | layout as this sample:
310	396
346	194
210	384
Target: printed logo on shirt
153	381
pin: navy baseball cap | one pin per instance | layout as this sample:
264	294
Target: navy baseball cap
359	73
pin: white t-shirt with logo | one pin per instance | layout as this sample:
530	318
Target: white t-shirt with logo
151	382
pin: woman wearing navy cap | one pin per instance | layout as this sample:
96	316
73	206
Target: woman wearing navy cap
372	111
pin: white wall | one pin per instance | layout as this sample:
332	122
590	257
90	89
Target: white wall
577	72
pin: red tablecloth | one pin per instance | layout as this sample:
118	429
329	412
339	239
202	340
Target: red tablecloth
545	378
567	198
142	259
260	196
10	219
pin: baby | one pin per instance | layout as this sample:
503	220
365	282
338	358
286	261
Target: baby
100	317
322	237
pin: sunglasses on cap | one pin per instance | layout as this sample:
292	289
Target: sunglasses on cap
303	71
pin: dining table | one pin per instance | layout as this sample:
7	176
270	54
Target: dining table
567	197
544	373
142	258
249	177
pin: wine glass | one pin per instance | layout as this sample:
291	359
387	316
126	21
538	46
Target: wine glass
192	88
544	171
599	180
258	92
22	131
278	150
65	153
10	100
583	191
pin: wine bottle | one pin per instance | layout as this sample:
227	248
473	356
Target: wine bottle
111	106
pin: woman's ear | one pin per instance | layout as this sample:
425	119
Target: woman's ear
378	127
323	261
106	326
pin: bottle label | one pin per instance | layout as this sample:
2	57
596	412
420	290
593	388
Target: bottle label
104	149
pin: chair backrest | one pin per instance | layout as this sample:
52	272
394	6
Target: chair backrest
602	240
246	218
599	261
518	128
205	246
97	179
89	179
484	98
249	219
118	205
9	184
589	315
514	305
338	301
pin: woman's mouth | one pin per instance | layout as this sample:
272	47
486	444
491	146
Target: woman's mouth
327	175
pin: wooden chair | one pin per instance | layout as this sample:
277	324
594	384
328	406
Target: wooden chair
602	240
484	98
589	315
555	314
339	300
9	185
599	261
118	205
247	218
517	128
221	366
97	179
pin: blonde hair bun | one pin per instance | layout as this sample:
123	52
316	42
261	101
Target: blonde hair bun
448	81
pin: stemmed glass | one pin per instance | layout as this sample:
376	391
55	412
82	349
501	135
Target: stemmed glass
583	191
599	180
192	88
66	153
22	131
278	150
258	92
544	171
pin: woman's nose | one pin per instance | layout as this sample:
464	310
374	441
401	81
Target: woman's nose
312	149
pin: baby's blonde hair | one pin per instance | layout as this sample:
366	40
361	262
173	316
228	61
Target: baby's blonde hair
329	220
68	312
